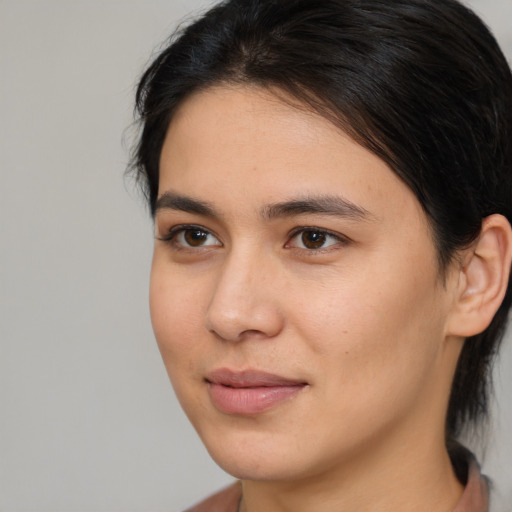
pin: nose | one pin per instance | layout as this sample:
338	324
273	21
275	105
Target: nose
245	301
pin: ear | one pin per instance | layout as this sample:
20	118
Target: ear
483	278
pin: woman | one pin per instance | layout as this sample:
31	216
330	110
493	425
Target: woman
332	192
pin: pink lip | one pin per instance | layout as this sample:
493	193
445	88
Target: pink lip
249	392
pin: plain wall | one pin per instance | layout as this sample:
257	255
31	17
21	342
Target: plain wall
88	419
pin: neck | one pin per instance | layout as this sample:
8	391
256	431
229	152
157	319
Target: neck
410	476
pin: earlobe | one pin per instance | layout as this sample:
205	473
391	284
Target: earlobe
483	278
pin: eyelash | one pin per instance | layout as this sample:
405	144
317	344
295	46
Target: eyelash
173	233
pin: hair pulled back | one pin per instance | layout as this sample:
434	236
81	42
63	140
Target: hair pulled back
420	83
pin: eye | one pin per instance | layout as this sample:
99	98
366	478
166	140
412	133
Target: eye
314	239
191	237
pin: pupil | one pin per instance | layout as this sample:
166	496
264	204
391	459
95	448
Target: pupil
313	239
195	237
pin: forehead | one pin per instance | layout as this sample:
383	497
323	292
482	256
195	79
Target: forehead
234	115
246	145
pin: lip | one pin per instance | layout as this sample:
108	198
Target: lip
250	392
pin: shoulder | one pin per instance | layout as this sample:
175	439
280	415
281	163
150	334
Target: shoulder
226	500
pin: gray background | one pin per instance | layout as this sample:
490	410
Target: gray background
88	419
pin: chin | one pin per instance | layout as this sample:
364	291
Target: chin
262	468
260	456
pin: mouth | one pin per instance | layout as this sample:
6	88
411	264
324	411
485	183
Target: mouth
250	392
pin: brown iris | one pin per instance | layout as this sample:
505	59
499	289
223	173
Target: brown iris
195	237
313	239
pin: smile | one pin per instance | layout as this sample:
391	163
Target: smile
250	392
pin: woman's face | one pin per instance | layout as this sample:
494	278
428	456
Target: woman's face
295	292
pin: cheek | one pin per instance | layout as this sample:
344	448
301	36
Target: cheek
374	334
177	320
176	316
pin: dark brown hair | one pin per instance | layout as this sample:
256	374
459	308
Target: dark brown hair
421	83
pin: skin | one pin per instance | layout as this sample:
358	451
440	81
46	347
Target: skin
365	320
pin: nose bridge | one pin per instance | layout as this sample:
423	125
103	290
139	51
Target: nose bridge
244	299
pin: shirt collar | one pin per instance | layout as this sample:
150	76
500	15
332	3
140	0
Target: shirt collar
475	497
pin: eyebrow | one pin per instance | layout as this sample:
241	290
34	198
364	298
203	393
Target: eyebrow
320	205
172	201
336	206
